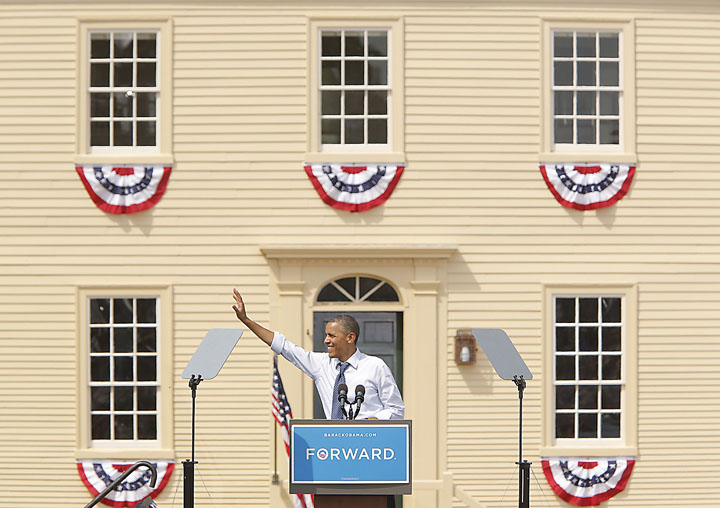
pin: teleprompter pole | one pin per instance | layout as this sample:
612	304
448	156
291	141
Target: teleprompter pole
524	465
189	465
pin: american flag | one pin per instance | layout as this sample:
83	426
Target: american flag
283	414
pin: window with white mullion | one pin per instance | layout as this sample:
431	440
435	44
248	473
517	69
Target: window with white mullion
354	88
586	88
123	90
588	367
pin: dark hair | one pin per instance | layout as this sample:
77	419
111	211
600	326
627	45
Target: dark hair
347	324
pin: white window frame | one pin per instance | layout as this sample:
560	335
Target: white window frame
625	151
161	153
626	444
133	89
162	446
393	151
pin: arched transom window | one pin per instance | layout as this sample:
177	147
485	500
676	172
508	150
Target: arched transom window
357	289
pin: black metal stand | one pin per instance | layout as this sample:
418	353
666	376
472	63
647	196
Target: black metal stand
189	465
524	465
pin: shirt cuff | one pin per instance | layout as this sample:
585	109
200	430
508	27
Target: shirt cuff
278	342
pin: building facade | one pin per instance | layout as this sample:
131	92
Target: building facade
553	174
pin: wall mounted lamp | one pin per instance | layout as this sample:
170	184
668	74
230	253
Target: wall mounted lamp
465	347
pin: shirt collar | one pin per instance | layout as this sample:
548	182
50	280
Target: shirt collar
354	360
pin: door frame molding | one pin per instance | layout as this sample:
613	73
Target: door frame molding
419	272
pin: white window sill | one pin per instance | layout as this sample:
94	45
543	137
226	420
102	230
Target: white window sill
126	158
588	157
589	451
355	157
138	453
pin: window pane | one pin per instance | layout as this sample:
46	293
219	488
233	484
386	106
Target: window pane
122	133
564	425
355	102
564	397
377	102
609	47
609	132
100	426
377	44
611	367
123	427
610	425
100	134
146	398
354	72
587	425
564	338
331	102
100	74
588	397
123	368
331	294
588	366
123	45
146	47
146	74
586	103
99	310
354	44
609	74
384	294
100	46
100	104
146	340
586	45
123	398
377	131
563	73
99	368
586	74
611	310
586	131
146	104
100	396
354	132
565	368
147	427
330	44
588	337
146	369
122	104
588	310
330	131
565	310
611	397
331	73
563	45
563	103
611	338
146	134
377	72
563	130
122	310
609	103
348	284
99	340
123	340
122	74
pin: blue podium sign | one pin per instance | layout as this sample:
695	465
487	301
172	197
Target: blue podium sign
340	456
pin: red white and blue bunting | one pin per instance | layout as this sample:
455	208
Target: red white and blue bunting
588	187
354	187
587	482
124	189
98	474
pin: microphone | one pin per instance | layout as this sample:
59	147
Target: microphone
342	398
359	399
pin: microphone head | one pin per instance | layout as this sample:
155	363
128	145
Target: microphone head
360	393
343	389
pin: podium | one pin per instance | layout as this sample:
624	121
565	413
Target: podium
350	463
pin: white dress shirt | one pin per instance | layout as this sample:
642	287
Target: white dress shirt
382	396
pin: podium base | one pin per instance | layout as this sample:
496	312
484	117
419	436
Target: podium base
350	501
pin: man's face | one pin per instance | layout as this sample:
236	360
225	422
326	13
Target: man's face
340	345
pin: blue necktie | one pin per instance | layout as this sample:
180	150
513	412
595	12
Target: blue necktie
336	413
